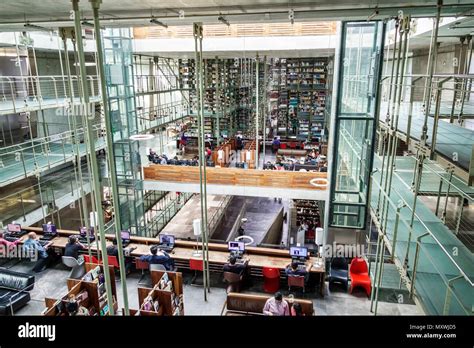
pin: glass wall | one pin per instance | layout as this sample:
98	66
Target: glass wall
359	63
121	102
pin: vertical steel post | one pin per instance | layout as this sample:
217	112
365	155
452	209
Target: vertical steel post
434	134
204	170
449	291
430	69
197	32
218	104
93	159
110	151
257	114
265	106
415	262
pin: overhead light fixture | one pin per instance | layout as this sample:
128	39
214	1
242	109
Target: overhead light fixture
373	15
87	24
157	22
141	137
37	27
90	25
222	19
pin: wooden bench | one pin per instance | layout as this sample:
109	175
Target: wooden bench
249	304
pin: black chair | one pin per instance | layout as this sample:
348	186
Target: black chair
338	272
14	290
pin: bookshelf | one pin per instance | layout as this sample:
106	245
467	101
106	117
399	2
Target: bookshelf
89	292
298	96
164	298
307	211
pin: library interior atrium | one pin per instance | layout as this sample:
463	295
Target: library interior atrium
211	157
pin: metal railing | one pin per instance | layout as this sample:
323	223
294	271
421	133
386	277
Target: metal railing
149	118
393	213
39	154
23	93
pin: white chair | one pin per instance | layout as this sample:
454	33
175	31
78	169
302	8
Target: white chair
77	267
157	267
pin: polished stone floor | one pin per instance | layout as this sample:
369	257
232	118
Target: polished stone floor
52	283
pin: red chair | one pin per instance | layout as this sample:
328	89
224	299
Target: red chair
141	266
196	265
293	145
93	259
296	280
283	146
113	261
359	274
271	279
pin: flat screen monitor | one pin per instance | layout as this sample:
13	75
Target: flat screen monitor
166	239
125	235
298	252
236	246
83	232
49	229
14	228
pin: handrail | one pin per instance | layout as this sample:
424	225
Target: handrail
393	189
44	140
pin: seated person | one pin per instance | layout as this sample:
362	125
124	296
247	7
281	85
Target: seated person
292	270
276	306
159	257
152	155
235	267
8	245
73	246
44	256
269	166
296	310
74	308
112	250
275	144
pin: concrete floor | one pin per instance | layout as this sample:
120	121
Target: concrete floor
52	283
181	225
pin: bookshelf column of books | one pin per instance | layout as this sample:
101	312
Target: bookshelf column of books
164	298
299	92
306	215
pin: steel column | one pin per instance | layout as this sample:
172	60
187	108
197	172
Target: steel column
93	160
110	151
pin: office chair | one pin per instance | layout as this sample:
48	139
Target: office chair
196	265
234	281
77	267
338	272
271	279
296	280
113	261
141	265
359	274
93	259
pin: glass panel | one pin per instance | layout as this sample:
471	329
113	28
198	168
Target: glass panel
359	72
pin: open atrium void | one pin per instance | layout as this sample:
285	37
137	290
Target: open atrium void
210	157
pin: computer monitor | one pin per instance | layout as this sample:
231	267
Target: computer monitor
125	235
236	246
49	229
298	252
14	228
166	239
83	232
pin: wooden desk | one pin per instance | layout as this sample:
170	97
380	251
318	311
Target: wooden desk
218	253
